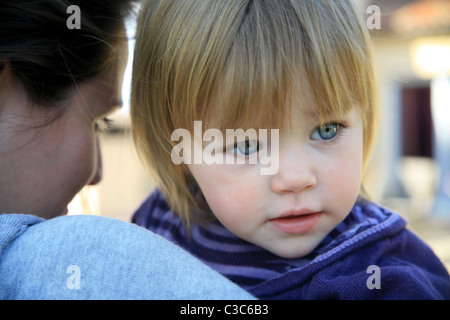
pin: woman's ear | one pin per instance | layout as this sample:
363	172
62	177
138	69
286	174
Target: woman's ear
7	76
4	66
8	86
2	76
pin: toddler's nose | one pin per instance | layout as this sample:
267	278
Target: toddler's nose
295	173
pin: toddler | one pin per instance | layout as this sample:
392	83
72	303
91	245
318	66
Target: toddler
303	70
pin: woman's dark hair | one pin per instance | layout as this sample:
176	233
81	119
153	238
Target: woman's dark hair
46	55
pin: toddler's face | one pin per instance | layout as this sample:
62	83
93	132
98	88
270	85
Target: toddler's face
291	212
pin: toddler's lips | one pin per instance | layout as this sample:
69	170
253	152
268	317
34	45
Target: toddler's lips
295	224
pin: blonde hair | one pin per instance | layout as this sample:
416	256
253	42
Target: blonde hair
246	56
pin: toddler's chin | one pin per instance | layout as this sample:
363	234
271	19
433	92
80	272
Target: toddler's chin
295	248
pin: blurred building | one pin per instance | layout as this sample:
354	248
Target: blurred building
410	170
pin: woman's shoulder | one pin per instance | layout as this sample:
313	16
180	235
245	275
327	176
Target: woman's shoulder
95	257
13	226
155	214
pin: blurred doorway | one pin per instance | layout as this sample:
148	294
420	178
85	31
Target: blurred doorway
417	167
417	126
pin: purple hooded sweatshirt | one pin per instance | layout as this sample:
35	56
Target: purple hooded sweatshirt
370	255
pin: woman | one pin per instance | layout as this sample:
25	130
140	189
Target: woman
57	85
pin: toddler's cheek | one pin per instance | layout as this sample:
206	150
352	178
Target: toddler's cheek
236	209
344	190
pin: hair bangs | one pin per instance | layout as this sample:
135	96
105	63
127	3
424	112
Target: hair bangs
278	48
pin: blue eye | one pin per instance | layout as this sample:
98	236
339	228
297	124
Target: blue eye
326	132
246	147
